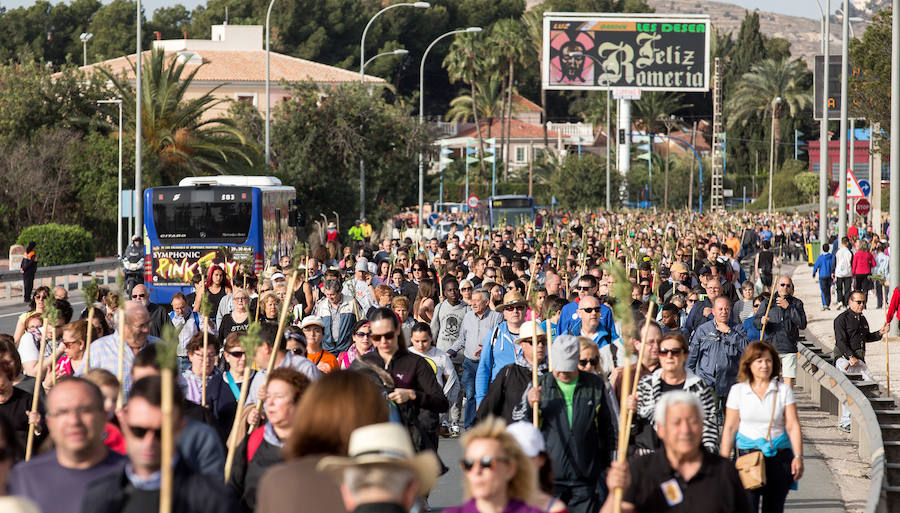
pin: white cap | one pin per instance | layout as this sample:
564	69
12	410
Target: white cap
530	439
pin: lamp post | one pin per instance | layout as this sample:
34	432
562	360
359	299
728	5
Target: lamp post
85	37
138	134
362	79
894	266
119	247
824	167
470	30
268	85
399	51
608	131
845	89
775	104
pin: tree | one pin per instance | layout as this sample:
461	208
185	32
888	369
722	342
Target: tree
488	104
580	182
507	49
771	88
533	19
114	30
464	63
657	111
871	88
808	183
179	139
171	22
318	139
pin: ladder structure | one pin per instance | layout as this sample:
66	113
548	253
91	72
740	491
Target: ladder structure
717	198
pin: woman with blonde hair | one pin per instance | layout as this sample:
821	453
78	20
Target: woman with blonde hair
498	474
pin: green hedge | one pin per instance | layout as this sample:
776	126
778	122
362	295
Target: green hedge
59	244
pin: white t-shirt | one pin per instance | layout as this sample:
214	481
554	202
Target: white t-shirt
755	413
28	347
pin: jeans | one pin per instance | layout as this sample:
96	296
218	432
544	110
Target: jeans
469	368
882	293
778	482
843	289
825	287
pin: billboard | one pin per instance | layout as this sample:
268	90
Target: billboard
176	265
834	87
651	52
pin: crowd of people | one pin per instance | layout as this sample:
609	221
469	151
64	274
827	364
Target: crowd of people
539	348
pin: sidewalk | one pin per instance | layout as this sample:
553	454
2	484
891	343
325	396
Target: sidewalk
849	471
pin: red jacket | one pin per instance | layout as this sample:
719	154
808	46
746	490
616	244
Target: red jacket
863	262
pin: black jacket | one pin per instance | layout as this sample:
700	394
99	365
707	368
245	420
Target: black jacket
245	476
192	493
580	452
505	392
784	324
159	316
222	402
851	332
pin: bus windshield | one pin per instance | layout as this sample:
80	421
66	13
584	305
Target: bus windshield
202	215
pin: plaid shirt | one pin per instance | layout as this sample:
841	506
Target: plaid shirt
105	355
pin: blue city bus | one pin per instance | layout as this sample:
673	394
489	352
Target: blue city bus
514	209
214	219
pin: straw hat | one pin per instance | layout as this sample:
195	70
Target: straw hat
386	443
512	298
529	329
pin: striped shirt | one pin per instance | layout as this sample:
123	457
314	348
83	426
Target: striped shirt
105	355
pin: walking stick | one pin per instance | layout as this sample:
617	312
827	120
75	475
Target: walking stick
275	345
205	309
250	341
167	358
534	374
29	444
762	332
637	373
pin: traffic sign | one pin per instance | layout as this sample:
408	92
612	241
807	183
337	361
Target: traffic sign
863	207
866	188
432	219
626	93
853	188
472	201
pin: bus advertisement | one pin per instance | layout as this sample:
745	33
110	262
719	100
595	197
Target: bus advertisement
222	220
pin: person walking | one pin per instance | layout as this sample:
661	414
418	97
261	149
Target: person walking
843	272
761	415
28	266
824	266
862	264
785	320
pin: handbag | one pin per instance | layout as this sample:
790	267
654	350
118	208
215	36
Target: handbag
752	466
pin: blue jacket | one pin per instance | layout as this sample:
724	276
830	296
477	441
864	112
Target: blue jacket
824	266
498	351
752	332
571	324
346	317
715	356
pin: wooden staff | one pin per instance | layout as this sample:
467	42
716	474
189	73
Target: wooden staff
534	373
762	332
167	438
258	301
549	345
205	348
120	374
235	426
624	433
87	343
634	384
531	280
277	342
887	362
29	444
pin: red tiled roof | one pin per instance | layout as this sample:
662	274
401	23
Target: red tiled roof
517	129
524	104
248	66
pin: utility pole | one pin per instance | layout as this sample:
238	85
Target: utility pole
691	177
824	166
845	89
894	239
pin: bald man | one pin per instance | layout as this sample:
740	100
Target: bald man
105	350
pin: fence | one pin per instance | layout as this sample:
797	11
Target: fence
77	274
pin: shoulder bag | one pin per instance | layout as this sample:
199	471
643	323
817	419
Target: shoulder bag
752	466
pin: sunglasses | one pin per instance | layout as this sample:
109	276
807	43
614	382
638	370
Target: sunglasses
40	297
785	285
592	309
466	288
387	336
582	287
675	351
138	296
299	351
361	334
141	432
236	354
486	462
590	361
518	308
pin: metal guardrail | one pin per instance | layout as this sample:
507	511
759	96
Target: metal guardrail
68	274
829	387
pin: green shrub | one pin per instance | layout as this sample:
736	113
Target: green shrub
59	244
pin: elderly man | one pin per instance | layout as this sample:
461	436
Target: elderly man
679	281
577	424
136	488
702	311
594	322
786	319
716	349
359	286
105	350
180	316
338	312
682	476
75	419
159	317
477	324
499	346
586	286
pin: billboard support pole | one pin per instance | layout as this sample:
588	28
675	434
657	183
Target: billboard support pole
824	168
625	142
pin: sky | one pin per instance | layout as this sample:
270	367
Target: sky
806	8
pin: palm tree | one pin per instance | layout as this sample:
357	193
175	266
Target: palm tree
534	31
507	50
464	62
772	87
178	139
488	104
657	110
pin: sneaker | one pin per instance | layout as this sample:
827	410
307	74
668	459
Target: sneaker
845	429
454	431
445	431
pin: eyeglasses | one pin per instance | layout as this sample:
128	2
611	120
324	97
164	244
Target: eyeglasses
486	462
299	351
141	432
518	308
674	351
40	297
859	301
242	299
540	341
785	285
689	300
418	269
466	288
755	305
138	296
236	354
361	334
592	309
386	336
590	361
583	287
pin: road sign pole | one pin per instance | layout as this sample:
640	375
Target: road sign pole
894	239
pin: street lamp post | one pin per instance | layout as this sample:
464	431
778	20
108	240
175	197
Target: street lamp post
842	182
824	167
119	247
138	134
894	266
85	37
422	117
362	80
